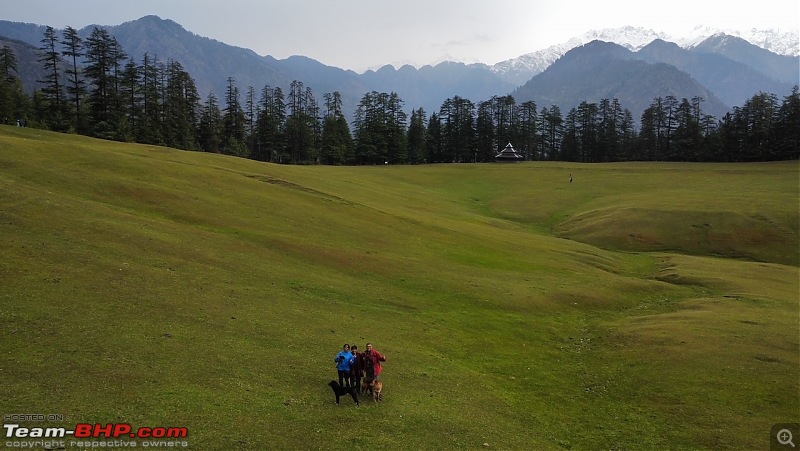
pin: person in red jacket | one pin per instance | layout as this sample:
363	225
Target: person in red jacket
373	363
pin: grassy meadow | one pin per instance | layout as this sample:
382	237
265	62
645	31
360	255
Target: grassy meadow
643	306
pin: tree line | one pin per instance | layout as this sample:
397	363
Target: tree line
91	86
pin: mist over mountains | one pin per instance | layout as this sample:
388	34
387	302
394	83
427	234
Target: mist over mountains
631	64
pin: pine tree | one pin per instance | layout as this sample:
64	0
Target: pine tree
628	136
301	124
570	141
787	128
130	92
336	141
52	91
551	122
180	105
525	142
8	63
150	129
396	152
101	54
314	125
270	124
433	140
14	103
251	114
458	129
687	136
370	129
233	119
759	116
210	131
417	136
505	119
380	129
76	88
486	142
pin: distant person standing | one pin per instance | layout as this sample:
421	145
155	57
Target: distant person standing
570	178
343	361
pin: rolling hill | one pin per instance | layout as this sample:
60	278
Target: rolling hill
646	306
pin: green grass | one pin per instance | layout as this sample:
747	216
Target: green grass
643	306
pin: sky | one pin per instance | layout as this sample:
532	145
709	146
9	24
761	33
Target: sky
366	34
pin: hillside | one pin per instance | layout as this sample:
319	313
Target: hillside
602	70
646	306
729	78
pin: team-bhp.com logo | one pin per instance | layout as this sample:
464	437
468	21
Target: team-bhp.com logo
86	435
86	430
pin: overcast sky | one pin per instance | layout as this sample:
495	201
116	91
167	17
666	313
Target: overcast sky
361	34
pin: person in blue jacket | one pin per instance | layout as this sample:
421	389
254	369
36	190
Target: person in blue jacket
343	361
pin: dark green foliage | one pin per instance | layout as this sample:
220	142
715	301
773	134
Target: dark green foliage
270	123
14	103
52	89
8	63
180	108
497	123
525	136
458	130
787	128
417	147
104	58
303	128
433	140
337	143
97	90
148	128
76	87
551	131
210	131
233	123
380	129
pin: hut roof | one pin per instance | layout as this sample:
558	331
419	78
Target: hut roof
509	154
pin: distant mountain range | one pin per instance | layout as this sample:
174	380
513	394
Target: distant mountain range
604	70
521	69
631	64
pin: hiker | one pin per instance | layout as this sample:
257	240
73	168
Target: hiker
357	367
373	363
343	361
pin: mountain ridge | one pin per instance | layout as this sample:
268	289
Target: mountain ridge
522	68
211	63
602	70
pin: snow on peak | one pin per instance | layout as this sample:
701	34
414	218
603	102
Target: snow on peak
632	38
520	69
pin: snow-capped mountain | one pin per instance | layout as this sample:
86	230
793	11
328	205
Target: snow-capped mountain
782	42
521	69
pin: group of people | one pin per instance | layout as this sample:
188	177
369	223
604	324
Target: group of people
353	366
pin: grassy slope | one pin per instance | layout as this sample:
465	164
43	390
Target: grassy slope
161	287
